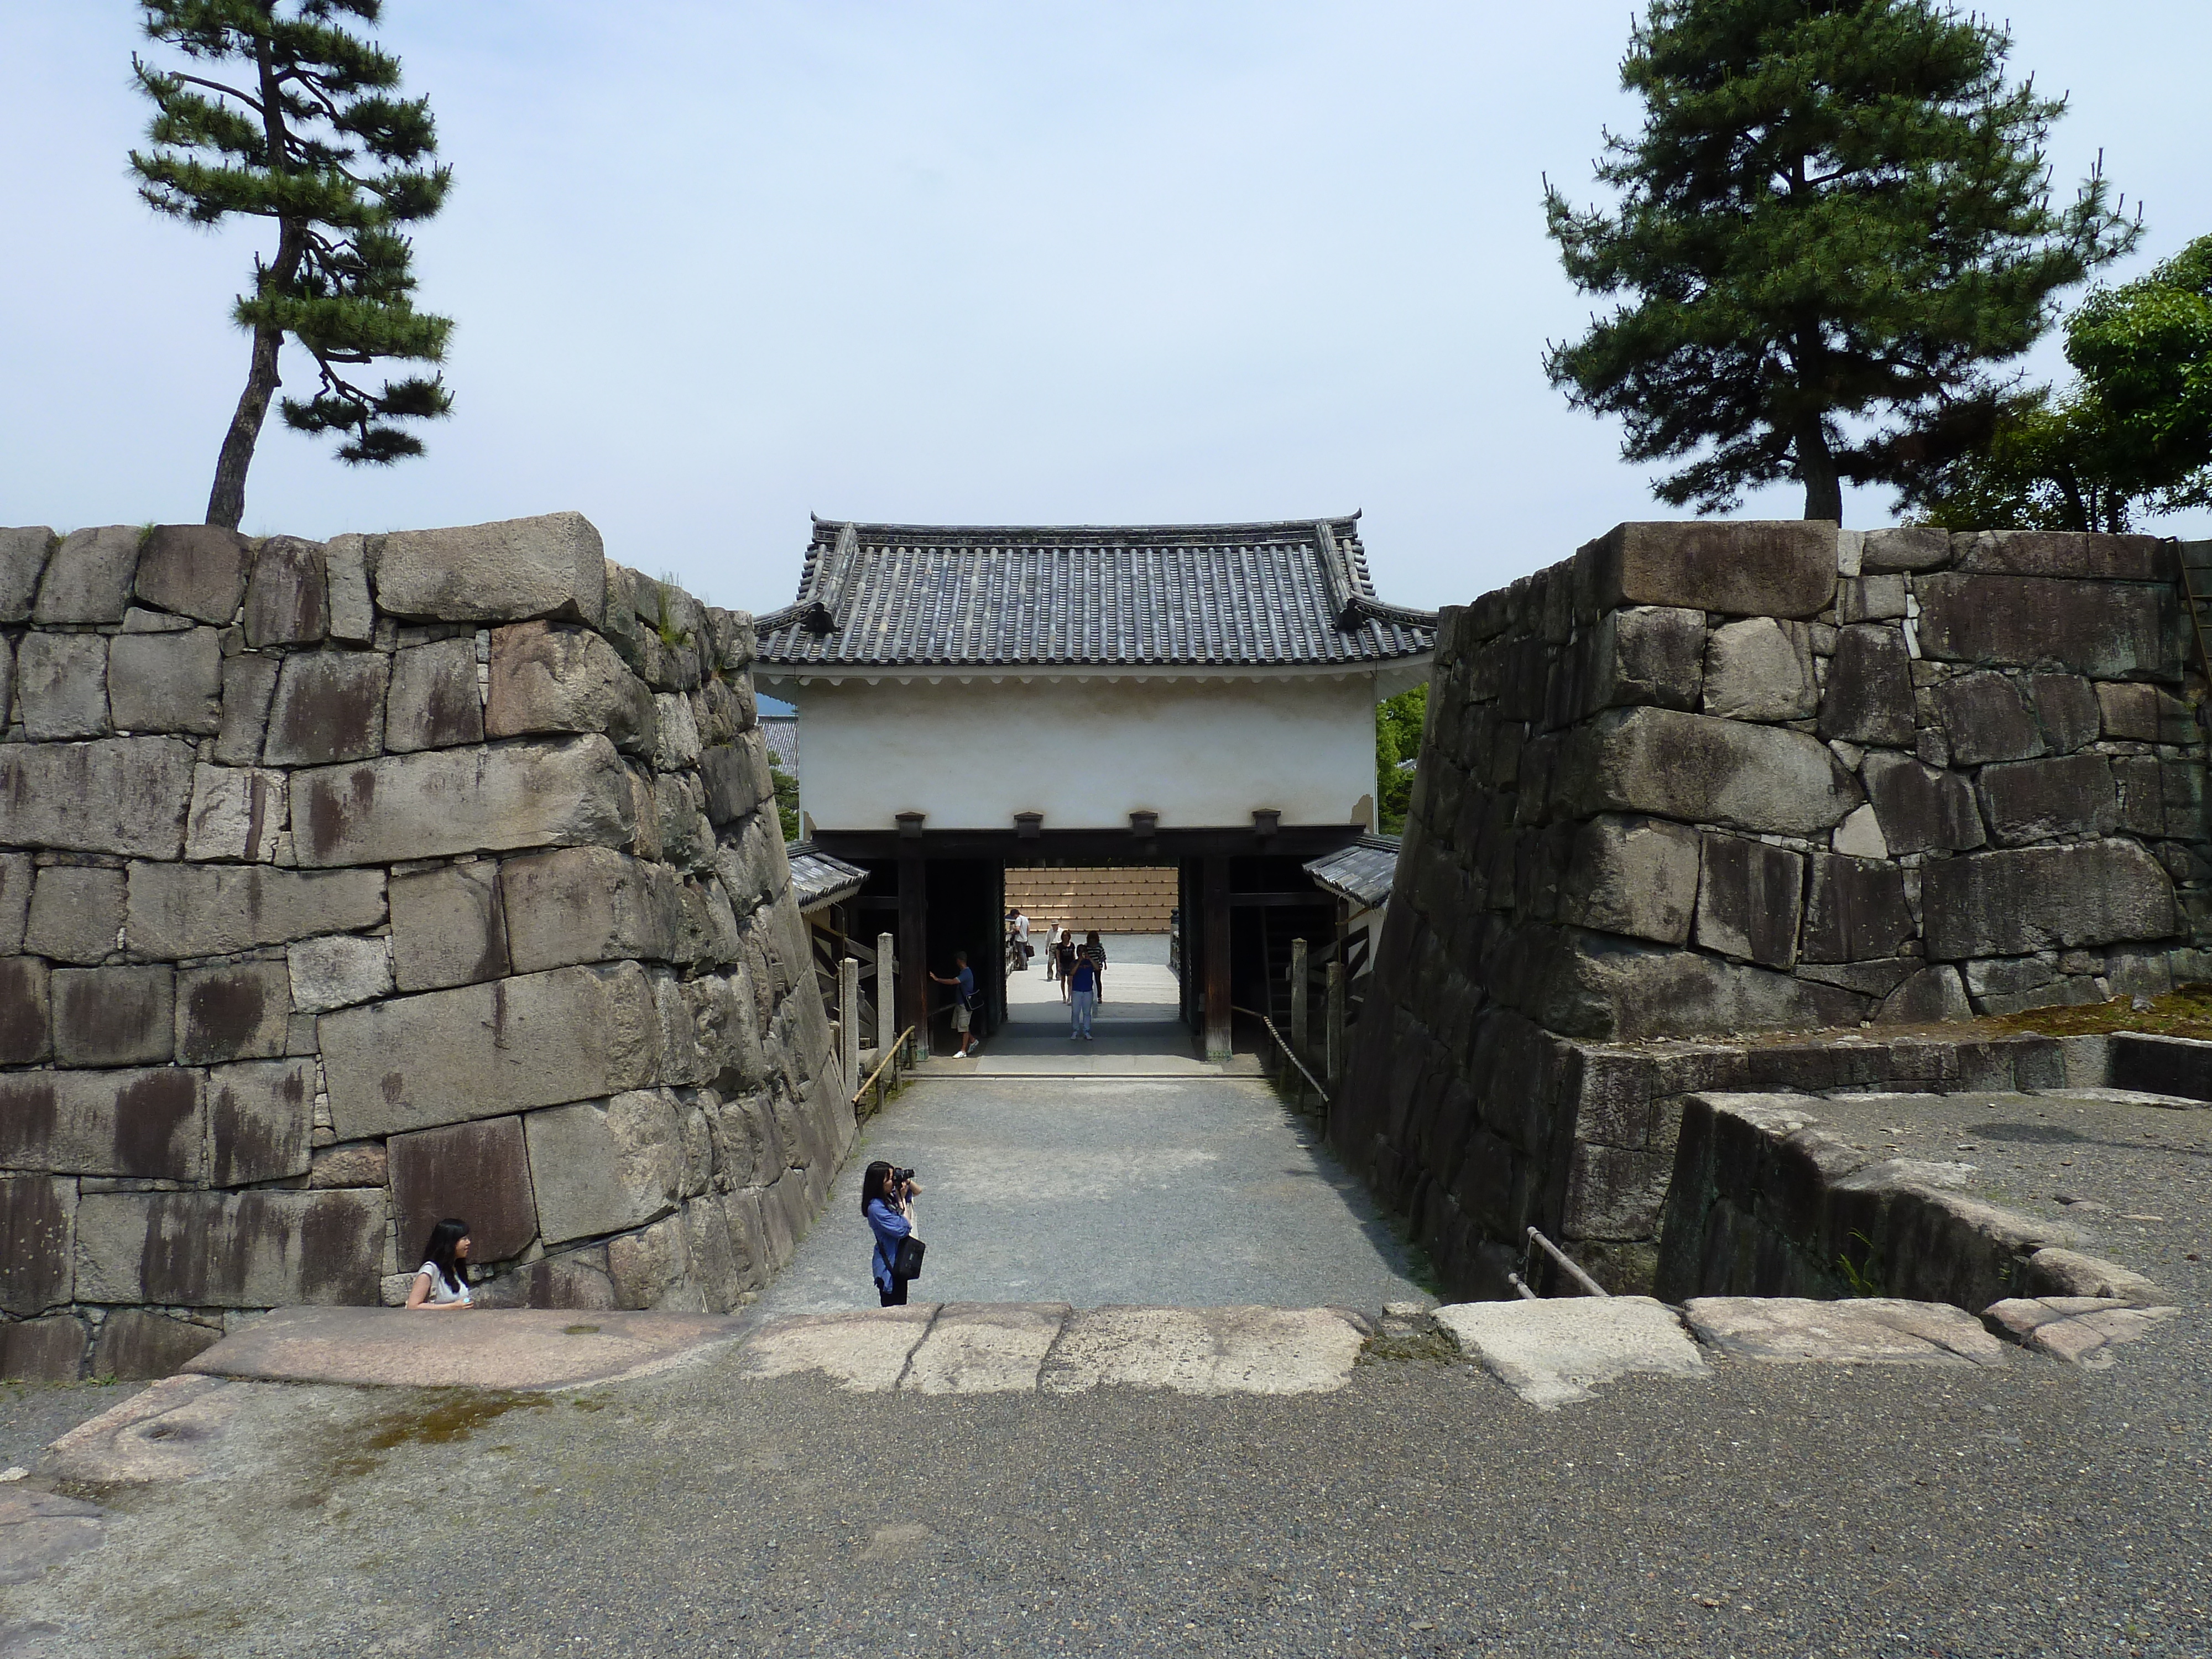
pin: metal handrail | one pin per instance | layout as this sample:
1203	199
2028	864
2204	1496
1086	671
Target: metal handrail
1574	1269
1288	1053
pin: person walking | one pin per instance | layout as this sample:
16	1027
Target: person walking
1097	952
963	1004
1083	997
1051	952
1064	951
1021	924
887	1204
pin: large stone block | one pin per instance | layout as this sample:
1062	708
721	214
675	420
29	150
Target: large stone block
76	915
1933	996
448	927
1917	548
233	1011
1594	986
1986	717
114	1015
1701	770
1869	697
257	1249
2107	630
445	801
1760	669
553	565
1857	911
1871	598
2067	709
194	569
2022	899
2025	801
1750	898
2144	714
1632	876
2067	553
26	1017
36	1214
49	1350
483	1050
676	733
546	678
288	599
604	1166
338	972
137	1343
185	910
238	816
737	780
18	875
1746	567
652	1268
432	703
249	684
478	1172
1920	809
589	904
88	579
61	685
23	552
260	1113
124	796
329	706
146	1124
165	681
345	571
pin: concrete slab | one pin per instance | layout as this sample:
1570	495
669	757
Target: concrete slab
42	1529
1862	1331
1553	1352
867	1350
2079	1330
482	1348
985	1347
166	1432
1206	1350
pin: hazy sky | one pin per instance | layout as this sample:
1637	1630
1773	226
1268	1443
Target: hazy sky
714	265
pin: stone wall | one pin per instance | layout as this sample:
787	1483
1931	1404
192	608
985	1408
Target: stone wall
347	886
1730	777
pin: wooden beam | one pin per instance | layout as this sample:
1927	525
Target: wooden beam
1220	1043
914	941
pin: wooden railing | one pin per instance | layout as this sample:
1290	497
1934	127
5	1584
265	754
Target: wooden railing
884	1086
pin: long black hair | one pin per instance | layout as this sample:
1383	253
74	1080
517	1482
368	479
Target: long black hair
439	1252
872	1184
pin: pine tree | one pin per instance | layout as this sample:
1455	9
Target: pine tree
317	142
1837	213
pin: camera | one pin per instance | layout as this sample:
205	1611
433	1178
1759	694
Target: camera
901	1178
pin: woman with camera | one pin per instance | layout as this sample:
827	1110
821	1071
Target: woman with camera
887	1198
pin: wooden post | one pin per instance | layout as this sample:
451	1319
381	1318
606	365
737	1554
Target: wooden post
1219	1042
887	1023
914	942
848	1014
1335	1033
1299	997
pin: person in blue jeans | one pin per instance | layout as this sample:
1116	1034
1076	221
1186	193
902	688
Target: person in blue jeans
888	1208
1083	995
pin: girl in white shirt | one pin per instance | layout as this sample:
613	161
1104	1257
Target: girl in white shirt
442	1284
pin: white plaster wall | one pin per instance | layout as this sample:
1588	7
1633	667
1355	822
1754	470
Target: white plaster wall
1197	752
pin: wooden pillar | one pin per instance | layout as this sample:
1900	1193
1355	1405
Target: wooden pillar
914	940
1299	998
1219	1044
1334	1034
887	1019
848	1012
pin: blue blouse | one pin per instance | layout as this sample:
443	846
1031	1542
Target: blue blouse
889	1227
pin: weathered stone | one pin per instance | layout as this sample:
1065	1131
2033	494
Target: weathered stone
1614	1192
432	703
1869	697
553	565
1919	808
183	911
602	1166
478	1172
2017	900
260	1114
1913	549
1857	911
1870	1330
2161	1065
2085	554
114	1015
2025	801
1633	876
1551	1352
2067	709
1859	836
720	1275
1760	670
1870	598
249	684
2141	795
36	1214
237	814
195	570
338	972
2107	630
1930	996
2144	714
2078	1330
446	801
49	1350
255	1249
288	599
139	620
7	683
2055	1271
356	1163
61	685
146	1124
737	779
329	706
589	904
22	561
126	795
1746	567
448	927
88	579
654	1268
1750	896
18	875
165	681
76	915
1595	986
1697	771
1986	718
482	1050
546	678
26	1021
135	1344
345	568
234	1010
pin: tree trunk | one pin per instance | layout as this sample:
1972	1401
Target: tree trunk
1816	470
227	501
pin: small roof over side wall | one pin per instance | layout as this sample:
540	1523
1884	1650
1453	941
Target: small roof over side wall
1290	594
817	880
1361	874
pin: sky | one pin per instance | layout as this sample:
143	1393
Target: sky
714	266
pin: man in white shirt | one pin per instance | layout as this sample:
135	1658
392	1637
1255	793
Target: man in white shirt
1018	926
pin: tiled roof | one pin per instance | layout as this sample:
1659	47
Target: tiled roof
1362	873
1242	594
817	880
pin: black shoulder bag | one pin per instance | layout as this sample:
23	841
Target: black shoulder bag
907	1263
